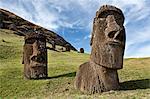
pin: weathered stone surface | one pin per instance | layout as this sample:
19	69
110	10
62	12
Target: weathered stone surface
108	43
35	56
81	50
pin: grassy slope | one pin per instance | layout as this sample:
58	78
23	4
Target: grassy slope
135	76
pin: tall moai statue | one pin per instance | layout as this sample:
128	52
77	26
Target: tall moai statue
108	44
35	56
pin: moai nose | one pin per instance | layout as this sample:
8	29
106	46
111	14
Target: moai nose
112	27
36	51
36	48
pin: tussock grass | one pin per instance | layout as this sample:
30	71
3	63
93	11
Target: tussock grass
62	67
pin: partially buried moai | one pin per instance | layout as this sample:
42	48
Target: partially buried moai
81	50
53	45
35	56
67	46
108	44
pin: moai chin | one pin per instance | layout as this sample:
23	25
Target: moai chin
108	44
35	56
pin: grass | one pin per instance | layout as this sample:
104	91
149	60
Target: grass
62	67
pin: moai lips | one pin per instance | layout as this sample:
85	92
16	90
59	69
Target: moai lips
108	43
35	56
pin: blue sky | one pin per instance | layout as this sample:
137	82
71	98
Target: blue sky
72	19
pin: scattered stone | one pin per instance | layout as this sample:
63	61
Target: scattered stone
108	44
35	56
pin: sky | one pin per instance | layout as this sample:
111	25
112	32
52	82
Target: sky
72	19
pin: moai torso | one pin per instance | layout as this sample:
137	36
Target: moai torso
35	56
108	37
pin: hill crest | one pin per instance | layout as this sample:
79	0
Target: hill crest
20	26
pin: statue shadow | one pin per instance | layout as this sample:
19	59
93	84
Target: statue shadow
135	84
72	74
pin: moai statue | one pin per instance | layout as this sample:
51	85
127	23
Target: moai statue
67	46
108	44
1	20
81	50
53	45
35	56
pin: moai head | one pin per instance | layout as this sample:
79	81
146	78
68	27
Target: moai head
67	46
108	37
81	50
35	56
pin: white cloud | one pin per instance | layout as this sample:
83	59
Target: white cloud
87	37
134	46
143	51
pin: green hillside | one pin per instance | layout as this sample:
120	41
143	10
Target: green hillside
62	66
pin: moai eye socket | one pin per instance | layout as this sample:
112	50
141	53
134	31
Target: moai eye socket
30	41
111	34
103	15
38	58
